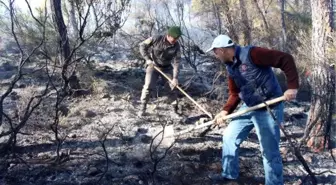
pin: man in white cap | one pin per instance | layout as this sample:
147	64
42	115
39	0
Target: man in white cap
251	79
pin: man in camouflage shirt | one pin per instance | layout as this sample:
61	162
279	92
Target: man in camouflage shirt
160	51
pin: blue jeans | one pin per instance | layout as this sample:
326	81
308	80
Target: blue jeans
268	133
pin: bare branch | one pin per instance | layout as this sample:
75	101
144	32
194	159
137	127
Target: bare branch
82	27
95	14
3	3
11	11
32	14
326	171
102	140
22	62
153	150
28	111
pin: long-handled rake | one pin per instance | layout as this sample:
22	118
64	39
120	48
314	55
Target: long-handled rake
169	130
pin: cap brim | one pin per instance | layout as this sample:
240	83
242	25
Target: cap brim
210	49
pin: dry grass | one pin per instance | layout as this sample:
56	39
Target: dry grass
24	97
99	86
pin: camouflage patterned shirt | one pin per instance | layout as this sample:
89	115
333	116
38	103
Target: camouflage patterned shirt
158	49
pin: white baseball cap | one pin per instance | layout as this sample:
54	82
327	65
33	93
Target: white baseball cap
221	41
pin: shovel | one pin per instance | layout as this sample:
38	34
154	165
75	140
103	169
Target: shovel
169	130
183	92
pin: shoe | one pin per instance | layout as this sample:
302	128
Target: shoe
176	114
142	112
175	109
218	178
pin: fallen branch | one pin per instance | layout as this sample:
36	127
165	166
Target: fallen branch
325	171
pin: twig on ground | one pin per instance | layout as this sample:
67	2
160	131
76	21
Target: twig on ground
325	171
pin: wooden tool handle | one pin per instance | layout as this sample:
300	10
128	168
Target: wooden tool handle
259	106
238	113
182	91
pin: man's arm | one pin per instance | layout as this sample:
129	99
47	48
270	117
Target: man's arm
273	58
176	64
144	47
233	99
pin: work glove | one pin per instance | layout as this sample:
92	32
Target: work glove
149	62
219	118
290	94
174	82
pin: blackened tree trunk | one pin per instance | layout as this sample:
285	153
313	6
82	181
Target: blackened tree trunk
66	55
73	21
56	9
322	80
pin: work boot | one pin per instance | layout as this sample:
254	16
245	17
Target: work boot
175	106
142	111
175	110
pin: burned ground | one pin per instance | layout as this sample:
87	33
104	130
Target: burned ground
107	143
